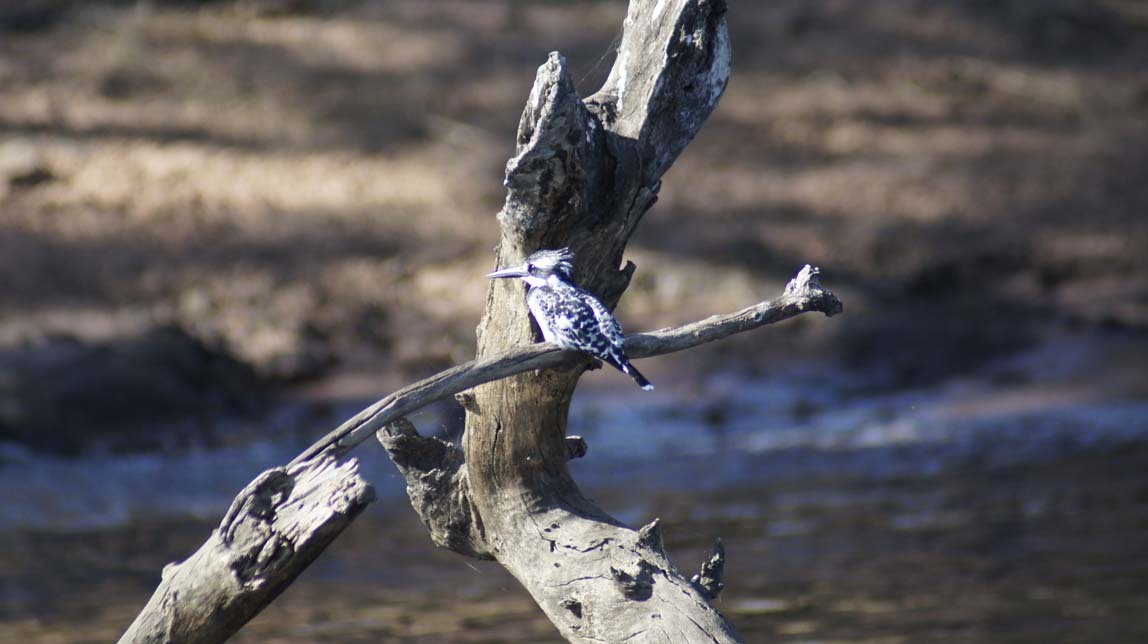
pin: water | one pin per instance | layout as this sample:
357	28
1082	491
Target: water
813	421
1007	504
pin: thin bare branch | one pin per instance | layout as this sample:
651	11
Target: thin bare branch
803	294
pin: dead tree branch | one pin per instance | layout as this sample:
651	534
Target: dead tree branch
803	294
281	521
437	486
274	529
583	175
435	471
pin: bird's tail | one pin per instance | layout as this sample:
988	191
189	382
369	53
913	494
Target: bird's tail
629	370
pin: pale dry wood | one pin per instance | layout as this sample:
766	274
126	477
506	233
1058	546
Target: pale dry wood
274	529
709	580
583	176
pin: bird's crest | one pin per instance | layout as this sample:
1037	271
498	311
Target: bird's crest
558	260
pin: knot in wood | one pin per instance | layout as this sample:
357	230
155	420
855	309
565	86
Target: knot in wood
637	586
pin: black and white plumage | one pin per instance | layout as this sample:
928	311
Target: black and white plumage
568	316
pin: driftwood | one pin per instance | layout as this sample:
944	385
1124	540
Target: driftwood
584	173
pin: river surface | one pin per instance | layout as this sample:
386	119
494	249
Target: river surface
1007	505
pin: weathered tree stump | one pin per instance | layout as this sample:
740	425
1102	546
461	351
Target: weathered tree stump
582	177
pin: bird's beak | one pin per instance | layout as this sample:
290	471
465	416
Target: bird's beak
513	271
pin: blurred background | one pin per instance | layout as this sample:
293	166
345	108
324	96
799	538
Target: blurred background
226	226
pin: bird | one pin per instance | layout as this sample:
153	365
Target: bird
567	315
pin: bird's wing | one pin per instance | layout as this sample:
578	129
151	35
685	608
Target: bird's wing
607	325
566	321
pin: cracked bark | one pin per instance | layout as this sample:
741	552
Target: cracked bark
583	175
274	529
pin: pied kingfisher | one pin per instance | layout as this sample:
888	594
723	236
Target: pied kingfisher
568	316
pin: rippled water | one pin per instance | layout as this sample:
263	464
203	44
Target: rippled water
1008	505
729	431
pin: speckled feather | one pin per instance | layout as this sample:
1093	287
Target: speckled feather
574	319
568	316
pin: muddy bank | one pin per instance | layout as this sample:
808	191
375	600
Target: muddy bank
153	390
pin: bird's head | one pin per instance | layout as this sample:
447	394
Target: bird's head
540	266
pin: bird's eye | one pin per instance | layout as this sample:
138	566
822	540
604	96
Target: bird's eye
530	268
